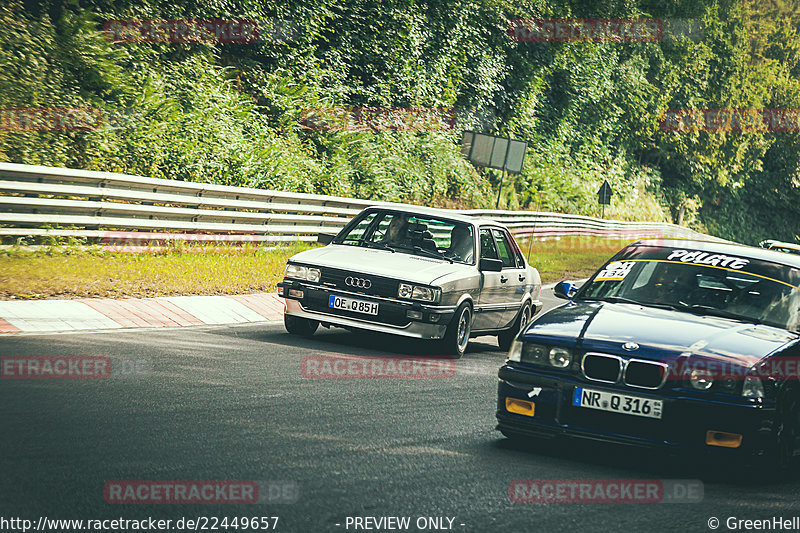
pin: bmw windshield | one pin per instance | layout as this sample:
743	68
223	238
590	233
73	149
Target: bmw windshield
701	282
411	234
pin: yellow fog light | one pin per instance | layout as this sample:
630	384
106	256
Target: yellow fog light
521	407
726	440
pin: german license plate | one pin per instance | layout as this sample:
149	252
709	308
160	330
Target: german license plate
617	403
357	306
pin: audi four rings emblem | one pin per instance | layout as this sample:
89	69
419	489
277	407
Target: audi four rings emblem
359	283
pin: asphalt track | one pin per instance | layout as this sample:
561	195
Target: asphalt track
231	403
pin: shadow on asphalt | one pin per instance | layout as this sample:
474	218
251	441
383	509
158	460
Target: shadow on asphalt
360	342
649	463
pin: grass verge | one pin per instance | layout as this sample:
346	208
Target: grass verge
570	258
79	272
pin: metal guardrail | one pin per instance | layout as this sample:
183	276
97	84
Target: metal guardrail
123	210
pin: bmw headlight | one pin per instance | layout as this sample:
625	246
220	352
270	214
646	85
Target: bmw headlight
293	271
534	353
530	352
515	352
701	379
418	292
752	387
560	357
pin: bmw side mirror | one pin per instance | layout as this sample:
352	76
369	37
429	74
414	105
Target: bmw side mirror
490	265
325	238
565	290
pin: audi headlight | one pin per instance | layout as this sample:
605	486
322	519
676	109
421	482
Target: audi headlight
313	275
295	271
701	379
300	272
560	357
417	292
405	290
752	388
426	294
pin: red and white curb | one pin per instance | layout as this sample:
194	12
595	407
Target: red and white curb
52	316
56	316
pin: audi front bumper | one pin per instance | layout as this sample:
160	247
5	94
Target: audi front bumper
397	317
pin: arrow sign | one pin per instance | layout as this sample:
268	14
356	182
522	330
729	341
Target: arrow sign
604	194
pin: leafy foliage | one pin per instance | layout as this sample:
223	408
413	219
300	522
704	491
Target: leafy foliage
233	113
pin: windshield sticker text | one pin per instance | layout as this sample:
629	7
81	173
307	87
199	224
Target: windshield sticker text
704	258
615	271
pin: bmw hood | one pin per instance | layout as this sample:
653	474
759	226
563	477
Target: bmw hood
660	334
398	265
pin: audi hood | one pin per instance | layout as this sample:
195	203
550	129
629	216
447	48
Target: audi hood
366	261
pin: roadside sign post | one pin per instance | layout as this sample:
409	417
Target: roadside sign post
604	196
492	151
533	229
500	188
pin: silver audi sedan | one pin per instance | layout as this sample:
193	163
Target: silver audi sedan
416	272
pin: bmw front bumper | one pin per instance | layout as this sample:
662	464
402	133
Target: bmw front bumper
683	426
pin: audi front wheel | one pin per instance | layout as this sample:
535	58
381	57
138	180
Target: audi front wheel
300	326
457	337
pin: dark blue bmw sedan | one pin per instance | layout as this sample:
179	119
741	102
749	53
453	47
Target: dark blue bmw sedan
672	343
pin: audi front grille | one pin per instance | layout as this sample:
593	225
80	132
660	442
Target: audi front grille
347	280
358	283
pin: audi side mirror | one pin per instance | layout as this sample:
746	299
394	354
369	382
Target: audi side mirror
565	290
490	265
325	238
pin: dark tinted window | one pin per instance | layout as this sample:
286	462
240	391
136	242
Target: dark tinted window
488	249
702	282
505	250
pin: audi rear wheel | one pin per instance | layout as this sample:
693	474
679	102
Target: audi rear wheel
505	338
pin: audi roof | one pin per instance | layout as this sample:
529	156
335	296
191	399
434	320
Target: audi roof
433	211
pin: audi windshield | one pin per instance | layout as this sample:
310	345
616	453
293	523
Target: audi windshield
411	234
696	281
